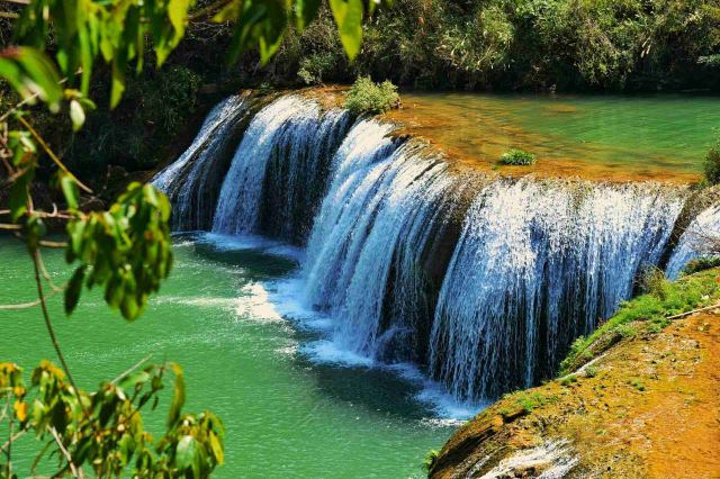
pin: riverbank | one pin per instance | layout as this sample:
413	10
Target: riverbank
643	403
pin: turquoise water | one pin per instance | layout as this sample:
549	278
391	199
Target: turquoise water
626	137
285	415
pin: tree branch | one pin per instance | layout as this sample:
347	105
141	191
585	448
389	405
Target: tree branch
52	154
48	323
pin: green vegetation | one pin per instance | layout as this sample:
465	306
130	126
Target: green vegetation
646	314
527	401
712	165
369	97
430	459
316	67
701	264
517	157
637	384
125	251
533	44
568	380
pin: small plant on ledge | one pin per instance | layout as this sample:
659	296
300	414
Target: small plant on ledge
712	164
517	157
366	96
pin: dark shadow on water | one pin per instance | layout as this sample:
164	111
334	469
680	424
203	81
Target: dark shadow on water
378	390
256	263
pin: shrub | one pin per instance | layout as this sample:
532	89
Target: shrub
365	96
315	67
517	157
430	458
568	380
712	165
701	264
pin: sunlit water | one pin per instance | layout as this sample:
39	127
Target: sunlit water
286	414
662	137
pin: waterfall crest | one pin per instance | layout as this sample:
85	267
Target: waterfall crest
280	168
538	264
483	282
190	181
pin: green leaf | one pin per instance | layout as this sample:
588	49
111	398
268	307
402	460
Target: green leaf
41	72
69	189
74	287
305	12
77	115
185	452
348	16
118	80
19	194
217	448
30	72
258	22
178	399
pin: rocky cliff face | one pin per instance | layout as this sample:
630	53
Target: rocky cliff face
644	405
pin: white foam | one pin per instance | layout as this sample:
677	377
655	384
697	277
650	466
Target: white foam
328	352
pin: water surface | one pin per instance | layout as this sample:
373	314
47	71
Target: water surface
661	137
285	416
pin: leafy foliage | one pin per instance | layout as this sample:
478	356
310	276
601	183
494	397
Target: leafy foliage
712	165
365	96
315	67
701	264
517	157
126	249
533	44
104	431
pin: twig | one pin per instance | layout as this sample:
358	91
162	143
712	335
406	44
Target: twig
26	101
48	323
698	310
52	154
210	9
75	471
47	276
134	367
28	304
13	439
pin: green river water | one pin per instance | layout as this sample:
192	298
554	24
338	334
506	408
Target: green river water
290	417
285	416
658	137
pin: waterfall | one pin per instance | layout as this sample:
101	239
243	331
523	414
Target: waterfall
379	212
690	246
483	282
189	180
538	264
280	167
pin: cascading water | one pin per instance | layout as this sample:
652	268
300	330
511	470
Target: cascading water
482	281
690	246
190	178
280	167
377	203
538	264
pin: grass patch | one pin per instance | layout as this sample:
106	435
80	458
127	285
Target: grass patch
369	97
646	314
430	458
637	384
518	158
